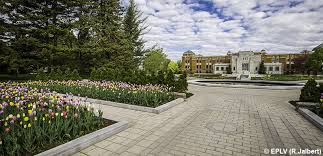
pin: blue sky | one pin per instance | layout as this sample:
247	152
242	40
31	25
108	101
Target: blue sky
214	27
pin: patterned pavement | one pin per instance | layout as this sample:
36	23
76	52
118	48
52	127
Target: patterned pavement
215	121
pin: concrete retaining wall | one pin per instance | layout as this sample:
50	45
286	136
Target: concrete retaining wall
205	83
156	110
312	117
86	140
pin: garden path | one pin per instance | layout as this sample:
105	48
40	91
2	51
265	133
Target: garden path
215	121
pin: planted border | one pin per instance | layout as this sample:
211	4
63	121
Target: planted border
140	95
156	110
33	120
86	140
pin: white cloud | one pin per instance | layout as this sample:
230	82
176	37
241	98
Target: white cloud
274	25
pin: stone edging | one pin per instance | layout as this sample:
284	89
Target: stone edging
195	82
156	110
313	118
85	141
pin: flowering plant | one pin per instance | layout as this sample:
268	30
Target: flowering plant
145	95
32	119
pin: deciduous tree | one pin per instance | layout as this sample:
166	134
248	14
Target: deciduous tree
156	60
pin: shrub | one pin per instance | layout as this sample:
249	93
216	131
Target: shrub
75	75
138	77
67	75
170	80
161	77
59	75
310	92
181	84
321	87
93	74
41	75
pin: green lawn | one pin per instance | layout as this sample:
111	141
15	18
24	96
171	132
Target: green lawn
209	76
287	78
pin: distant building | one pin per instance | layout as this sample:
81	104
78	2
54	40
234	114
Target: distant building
245	62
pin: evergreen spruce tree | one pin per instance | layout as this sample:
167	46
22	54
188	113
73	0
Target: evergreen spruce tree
111	43
84	48
170	80
38	31
133	26
310	92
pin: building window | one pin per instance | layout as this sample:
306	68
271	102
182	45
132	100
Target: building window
234	68
277	68
217	68
222	68
197	66
256	68
270	68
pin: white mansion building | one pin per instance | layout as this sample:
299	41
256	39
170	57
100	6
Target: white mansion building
244	63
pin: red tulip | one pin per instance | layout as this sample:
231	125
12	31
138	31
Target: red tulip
7	130
52	114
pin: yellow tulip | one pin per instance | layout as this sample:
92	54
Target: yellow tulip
25	126
12	104
30	111
26	118
29	125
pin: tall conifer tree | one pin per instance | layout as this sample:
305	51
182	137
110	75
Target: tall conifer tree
112	45
134	29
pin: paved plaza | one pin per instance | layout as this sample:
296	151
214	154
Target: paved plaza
215	121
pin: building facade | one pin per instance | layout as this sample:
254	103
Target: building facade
245	62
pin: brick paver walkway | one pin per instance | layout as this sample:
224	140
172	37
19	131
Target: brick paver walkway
215	121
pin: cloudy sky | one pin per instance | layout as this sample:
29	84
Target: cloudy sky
213	27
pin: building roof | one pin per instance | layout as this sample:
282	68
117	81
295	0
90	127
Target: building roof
189	52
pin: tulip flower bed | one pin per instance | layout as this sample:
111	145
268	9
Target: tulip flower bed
141	95
34	120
